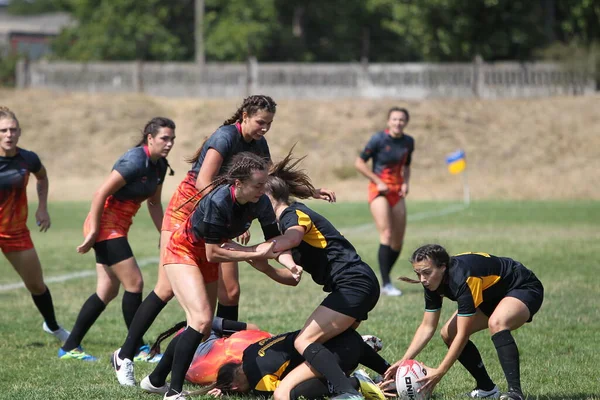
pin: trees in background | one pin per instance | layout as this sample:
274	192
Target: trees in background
325	31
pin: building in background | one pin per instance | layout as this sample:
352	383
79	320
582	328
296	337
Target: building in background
29	35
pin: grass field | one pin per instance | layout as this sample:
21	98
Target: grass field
559	350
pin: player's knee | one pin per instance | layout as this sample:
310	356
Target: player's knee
163	290
386	235
36	288
281	394
231	295
446	336
135	284
201	323
496	325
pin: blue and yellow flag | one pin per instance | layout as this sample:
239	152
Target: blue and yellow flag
457	162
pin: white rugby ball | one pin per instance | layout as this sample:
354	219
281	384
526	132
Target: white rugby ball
406	381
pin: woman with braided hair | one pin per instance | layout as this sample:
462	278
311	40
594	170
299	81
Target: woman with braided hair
332	261
194	250
16	164
243	131
137	176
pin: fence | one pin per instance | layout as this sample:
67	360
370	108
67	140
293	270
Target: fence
304	80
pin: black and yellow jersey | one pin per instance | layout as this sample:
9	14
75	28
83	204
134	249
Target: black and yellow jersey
476	278
268	361
323	251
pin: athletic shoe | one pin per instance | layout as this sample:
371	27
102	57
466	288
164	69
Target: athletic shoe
178	396
484	394
148	387
61	334
368	388
391	290
373	341
123	369
347	396
75	354
512	395
144	355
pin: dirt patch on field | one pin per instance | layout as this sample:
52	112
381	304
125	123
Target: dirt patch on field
546	148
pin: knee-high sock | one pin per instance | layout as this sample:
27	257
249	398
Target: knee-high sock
387	257
508	354
184	354
228	312
143	319
323	361
158	377
90	311
470	358
44	304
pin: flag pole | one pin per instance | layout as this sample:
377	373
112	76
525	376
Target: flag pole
466	190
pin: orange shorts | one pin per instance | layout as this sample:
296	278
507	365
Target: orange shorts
393	195
181	250
116	219
15	241
174	216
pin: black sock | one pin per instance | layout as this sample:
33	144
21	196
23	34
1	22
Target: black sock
322	360
387	257
158	377
184	354
508	354
228	312
314	388
129	305
143	319
371	359
470	358
90	311
43	302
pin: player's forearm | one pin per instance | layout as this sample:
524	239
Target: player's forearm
362	167
234	252
156	213
406	174
422	336
457	346
42	187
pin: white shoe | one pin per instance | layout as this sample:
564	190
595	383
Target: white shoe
484	394
373	341
61	333
391	290
178	396
123	369
148	387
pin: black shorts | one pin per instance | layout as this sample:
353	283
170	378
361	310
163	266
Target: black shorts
112	251
531	293
355	292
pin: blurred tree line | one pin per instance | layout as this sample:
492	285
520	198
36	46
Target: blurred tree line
326	31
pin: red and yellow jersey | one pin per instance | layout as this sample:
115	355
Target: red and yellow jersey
14	176
142	177
205	365
390	155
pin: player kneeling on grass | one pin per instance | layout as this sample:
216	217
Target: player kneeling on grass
492	292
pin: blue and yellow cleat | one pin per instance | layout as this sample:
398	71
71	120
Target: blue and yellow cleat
144	354
76	354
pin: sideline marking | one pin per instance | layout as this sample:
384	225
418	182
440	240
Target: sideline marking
153	260
74	275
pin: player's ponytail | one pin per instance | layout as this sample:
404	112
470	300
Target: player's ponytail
155	348
287	180
239	168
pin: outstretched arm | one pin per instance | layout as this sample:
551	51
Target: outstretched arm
285	276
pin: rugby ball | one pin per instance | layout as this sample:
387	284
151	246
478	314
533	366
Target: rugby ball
406	381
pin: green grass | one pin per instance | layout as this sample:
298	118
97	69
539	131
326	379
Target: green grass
559	350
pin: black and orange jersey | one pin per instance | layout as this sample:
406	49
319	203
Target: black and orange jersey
389	155
14	176
476	278
268	361
324	251
142	176
219	217
228	141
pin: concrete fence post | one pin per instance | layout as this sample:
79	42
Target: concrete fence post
23	74
478	76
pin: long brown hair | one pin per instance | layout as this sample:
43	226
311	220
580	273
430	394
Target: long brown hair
287	179
240	168
251	105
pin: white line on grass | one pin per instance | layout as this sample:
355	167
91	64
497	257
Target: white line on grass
75	275
411	217
153	260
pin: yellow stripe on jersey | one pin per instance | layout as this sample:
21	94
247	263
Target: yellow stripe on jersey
270	382
312	235
478	284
